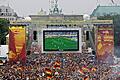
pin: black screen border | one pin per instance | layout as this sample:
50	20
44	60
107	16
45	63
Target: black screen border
60	31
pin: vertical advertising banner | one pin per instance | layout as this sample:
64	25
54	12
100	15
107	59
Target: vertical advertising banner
105	42
17	43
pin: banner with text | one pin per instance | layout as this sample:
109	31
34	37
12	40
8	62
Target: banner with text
105	42
17	43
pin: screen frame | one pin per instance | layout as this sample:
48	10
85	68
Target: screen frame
41	40
61	31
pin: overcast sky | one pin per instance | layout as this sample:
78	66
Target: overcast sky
28	7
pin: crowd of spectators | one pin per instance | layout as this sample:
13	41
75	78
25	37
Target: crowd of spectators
56	66
72	67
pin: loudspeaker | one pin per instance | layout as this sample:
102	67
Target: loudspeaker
35	35
87	35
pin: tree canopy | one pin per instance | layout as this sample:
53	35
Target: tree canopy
4	27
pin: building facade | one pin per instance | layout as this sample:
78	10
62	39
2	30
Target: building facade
38	22
8	13
105	10
101	11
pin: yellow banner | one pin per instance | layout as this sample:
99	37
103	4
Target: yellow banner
105	42
17	40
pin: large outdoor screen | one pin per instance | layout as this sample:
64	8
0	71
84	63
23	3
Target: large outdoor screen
60	40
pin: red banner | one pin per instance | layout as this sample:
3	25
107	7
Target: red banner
17	44
105	42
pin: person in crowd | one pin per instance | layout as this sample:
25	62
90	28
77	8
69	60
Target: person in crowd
68	66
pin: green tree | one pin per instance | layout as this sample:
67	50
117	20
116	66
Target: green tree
4	27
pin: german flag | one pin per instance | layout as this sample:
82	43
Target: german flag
49	76
57	62
57	65
48	73
84	68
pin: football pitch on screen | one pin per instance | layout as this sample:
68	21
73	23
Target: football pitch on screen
60	43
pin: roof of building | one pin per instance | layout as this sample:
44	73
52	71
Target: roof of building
105	10
3	9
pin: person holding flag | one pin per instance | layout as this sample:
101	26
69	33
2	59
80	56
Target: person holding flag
57	65
84	68
48	73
